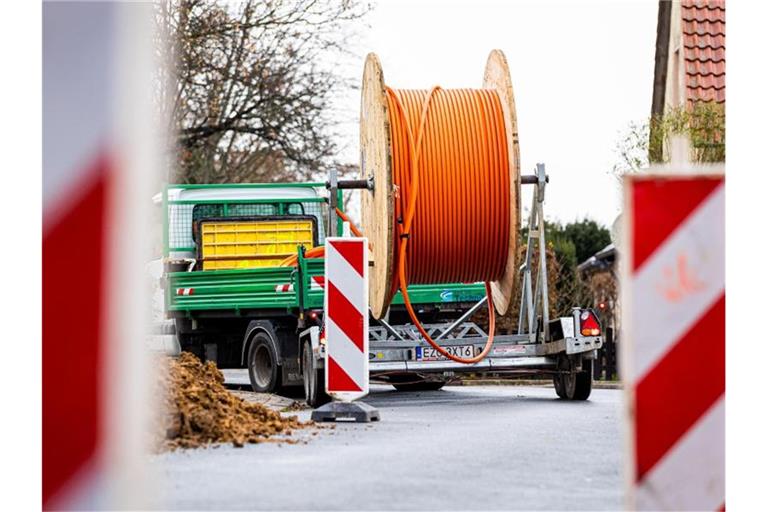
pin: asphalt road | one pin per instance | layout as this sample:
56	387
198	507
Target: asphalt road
461	448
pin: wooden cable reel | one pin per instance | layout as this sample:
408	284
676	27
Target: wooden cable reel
379	221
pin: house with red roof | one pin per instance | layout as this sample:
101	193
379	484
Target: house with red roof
690	67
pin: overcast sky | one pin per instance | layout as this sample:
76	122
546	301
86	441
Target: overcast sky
581	71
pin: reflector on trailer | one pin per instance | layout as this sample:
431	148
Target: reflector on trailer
589	324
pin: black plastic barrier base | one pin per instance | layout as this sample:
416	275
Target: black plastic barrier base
359	412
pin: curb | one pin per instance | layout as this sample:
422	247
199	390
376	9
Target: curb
532	382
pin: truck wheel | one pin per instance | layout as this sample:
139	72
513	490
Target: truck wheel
263	368
575	386
314	378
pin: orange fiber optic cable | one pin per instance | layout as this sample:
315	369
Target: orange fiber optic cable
451	171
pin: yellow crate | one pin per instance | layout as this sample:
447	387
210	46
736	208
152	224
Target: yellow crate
252	243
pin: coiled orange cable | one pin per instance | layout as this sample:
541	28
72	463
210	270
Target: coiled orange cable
451	171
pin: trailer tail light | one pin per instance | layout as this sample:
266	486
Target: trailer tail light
589	324
315	317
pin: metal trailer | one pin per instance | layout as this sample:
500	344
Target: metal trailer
560	348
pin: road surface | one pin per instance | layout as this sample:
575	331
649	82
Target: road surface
461	448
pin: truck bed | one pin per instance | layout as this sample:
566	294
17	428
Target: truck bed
279	288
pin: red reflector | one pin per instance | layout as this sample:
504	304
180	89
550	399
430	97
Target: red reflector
589	325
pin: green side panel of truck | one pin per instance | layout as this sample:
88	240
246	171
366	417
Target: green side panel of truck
258	289
231	289
240	290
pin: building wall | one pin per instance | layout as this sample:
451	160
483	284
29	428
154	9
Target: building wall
677	151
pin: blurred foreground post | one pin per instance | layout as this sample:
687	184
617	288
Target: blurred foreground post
98	155
673	359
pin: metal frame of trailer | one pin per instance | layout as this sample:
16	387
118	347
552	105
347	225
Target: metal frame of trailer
540	345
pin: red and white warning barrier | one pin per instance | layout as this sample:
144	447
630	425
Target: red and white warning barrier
98	154
185	291
674	352
346	317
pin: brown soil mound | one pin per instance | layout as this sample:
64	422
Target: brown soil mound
200	411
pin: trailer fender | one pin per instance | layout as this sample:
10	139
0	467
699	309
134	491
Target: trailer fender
266	327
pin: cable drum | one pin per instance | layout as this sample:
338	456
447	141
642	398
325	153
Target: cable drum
460	228
444	208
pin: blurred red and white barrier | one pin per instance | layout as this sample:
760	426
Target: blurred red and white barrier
98	154
674	348
346	317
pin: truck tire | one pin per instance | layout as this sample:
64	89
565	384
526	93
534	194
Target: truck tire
314	378
263	365
575	386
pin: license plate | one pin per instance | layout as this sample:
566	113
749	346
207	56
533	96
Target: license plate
430	354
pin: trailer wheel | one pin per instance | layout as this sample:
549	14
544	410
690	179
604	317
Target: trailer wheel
314	378
263	368
559	386
575	386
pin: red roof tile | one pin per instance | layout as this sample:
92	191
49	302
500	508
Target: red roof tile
703	27
717	95
704	41
705	68
704	49
705	54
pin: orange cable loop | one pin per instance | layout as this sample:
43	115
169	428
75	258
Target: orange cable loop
319	251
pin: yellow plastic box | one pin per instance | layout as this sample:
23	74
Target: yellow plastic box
228	244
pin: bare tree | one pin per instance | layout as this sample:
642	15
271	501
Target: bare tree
250	85
632	150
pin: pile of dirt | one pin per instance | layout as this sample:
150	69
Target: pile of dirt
200	411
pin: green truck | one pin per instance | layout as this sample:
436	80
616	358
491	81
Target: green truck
243	291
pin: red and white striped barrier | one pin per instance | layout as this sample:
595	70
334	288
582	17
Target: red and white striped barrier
674	352
97	157
346	317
